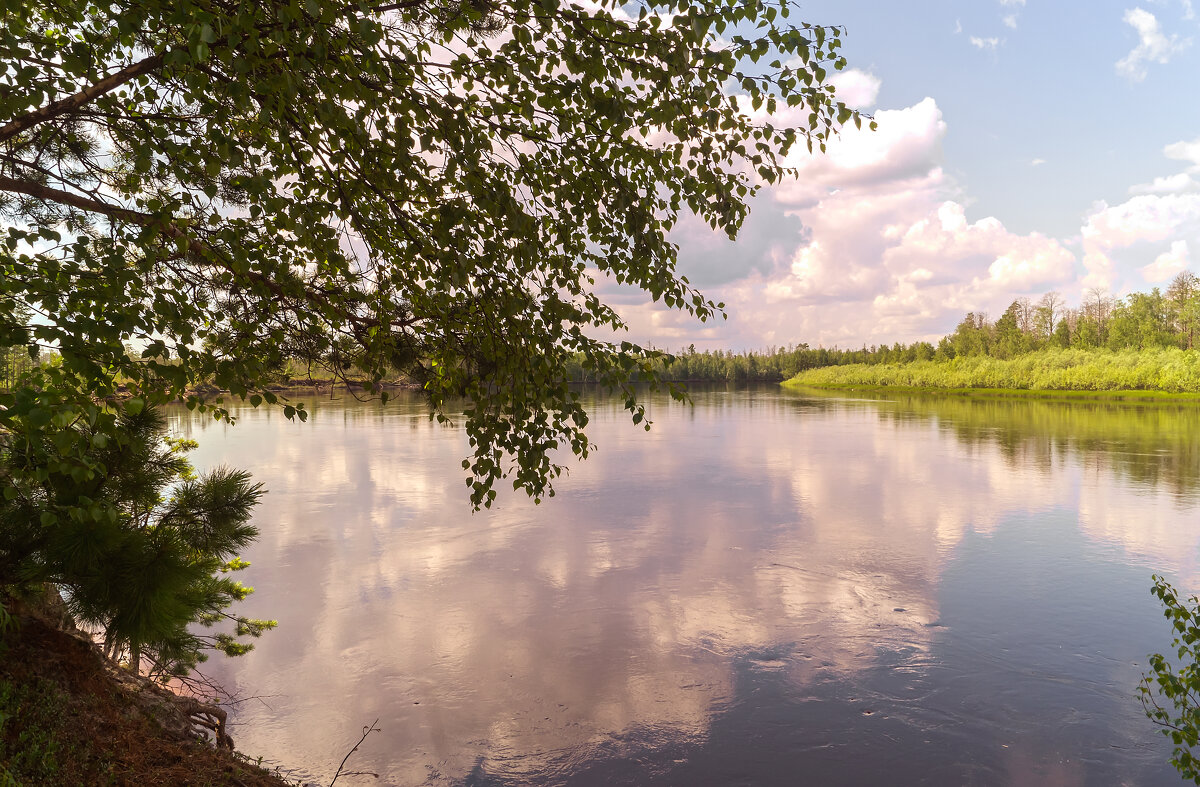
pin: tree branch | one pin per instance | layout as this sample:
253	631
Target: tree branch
89	93
200	250
39	191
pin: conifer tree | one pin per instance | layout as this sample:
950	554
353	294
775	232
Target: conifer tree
141	552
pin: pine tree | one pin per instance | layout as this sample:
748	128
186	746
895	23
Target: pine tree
141	552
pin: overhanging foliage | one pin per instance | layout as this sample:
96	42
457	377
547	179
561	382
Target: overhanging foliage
438	189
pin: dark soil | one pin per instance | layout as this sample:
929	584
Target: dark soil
66	720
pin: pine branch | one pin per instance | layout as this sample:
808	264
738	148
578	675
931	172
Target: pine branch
88	94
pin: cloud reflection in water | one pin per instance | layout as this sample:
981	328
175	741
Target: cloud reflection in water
765	585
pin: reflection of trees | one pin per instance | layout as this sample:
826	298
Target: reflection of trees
1153	445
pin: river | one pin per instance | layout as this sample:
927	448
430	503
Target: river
769	587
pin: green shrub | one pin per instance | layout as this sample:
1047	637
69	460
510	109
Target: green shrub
1178	685
1052	369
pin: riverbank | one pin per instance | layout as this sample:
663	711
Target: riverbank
70	716
1053	373
320	385
1007	393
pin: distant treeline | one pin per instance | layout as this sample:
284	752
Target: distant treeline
1141	321
1166	369
1145	341
774	364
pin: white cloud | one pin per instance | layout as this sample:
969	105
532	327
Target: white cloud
873	242
1010	21
1169	184
764	244
1184	151
857	88
889	252
1012	2
1168	264
998	259
1116	236
1180	182
1153	45
1189	13
1146	217
906	145
985	43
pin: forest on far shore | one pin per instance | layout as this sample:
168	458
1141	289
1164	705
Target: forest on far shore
1141	321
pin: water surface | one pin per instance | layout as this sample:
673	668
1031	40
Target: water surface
770	587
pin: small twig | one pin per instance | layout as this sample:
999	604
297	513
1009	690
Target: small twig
367	730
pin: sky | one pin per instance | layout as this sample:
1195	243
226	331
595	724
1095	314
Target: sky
1023	146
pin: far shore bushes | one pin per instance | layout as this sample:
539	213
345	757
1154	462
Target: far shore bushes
1169	370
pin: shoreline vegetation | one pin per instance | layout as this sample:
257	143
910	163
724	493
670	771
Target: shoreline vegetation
1154	374
1143	397
1142	346
1051	371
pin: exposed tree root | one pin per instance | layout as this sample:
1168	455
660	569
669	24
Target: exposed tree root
181	715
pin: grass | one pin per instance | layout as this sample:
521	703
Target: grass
1020	393
1052	373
